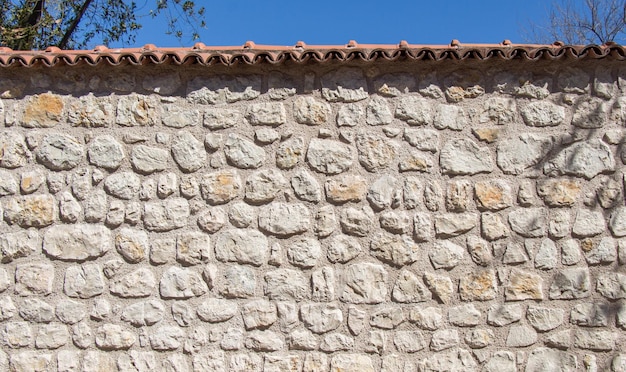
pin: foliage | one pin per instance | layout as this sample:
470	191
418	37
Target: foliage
583	22
68	24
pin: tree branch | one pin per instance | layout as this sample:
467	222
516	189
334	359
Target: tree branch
66	37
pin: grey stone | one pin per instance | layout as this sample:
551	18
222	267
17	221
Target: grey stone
446	254
35	310
590	315
329	156
351	363
604	252
188	152
594	339
440	286
429	318
18	244
308	110
242	215
137	111
264	341
33	278
132	244
542	114
220	118
286	285
30	181
381	191
544	319
60	152
479	250
454	224
238	282
69	208
282	219
322	317
375	152
123	185
450	117
306	187
264	185
588	223
444	339
501	361
323	284
145	313
547	255
609	285
409	289
267	113
394	250
543	359
396	222
560	223
175	116
590	113
220	187
302	339
30	361
521	336
304	252
415	111
167	185
529	222
464	315
181	283
105	152
582	159
138	283
356	222
147	160
166	215
343	248
409	341
325	221
364	283
289	153
114	337
192	248
479	338
515	155
243	153
334	342
15	152
37	210
70	312
216	310
504	314
377	112
465	157
85	281
570	284
8	184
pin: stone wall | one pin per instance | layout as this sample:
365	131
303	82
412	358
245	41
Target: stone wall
392	216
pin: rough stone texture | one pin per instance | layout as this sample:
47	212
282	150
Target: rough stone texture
314	218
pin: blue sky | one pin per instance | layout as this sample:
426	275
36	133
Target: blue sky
284	22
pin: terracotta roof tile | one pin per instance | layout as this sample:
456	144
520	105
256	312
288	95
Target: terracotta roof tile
251	53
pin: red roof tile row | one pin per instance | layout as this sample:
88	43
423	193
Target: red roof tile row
251	54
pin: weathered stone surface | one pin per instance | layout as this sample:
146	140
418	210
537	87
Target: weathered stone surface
520	336
35	310
609	285
286	285
375	152
394	250
345	188
166	215
220	118
321	318
188	152
516	155
465	157
596	339
35	278
147	160
308	110
528	222
18	244
215	310
123	185
588	223
30	210
329	157
351	363
282	219
181	283
478	286
220	187
441	286
138	283
503	314
542	114
542	359
268	113
446	254
144	313
243	153
105	152
584	159
570	284
264	186
77	242
454	224
60	152
544	319
523	285
450	117
114	337
290	152
365	283
454	360
493	195
223	88
559	192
